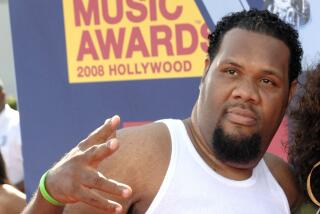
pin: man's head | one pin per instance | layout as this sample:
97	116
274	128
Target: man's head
249	79
265	23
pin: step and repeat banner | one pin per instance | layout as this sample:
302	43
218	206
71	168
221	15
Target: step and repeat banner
79	62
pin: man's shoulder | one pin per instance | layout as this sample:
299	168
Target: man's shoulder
282	172
141	161
142	148
154	131
144	143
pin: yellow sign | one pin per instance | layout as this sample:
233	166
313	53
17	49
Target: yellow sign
120	40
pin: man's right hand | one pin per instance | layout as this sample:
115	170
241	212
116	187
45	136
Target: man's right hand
75	177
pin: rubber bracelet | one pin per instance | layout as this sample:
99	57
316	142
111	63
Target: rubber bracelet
45	194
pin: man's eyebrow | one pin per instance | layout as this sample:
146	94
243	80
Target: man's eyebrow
231	62
266	71
273	72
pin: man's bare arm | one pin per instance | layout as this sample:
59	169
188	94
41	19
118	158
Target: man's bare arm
75	177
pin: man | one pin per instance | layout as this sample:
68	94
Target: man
10	141
212	162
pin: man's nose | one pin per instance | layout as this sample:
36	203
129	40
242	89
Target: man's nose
247	91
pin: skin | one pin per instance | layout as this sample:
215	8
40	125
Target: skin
254	81
245	90
12	201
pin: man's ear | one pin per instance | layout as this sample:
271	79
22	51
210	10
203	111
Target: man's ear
293	87
207	63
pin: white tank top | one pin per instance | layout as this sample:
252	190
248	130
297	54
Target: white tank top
190	186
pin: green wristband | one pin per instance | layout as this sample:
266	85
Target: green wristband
45	194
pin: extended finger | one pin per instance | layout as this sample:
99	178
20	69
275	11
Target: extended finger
103	133
95	154
115	122
97	180
92	198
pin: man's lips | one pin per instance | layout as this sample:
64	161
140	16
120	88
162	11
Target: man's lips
241	116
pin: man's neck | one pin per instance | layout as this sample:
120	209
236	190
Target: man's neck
206	152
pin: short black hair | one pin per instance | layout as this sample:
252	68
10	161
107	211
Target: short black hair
262	22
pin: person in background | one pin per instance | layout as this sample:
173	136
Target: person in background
10	141
12	201
304	151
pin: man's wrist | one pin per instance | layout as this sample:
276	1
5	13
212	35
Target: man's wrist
44	192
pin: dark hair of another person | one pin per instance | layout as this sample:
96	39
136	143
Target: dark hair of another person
304	152
262	22
3	174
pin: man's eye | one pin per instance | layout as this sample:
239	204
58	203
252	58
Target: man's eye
267	81
231	72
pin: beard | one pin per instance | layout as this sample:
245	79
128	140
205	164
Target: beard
241	150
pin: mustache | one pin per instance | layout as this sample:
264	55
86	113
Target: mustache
243	109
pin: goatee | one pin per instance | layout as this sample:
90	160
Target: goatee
235	149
